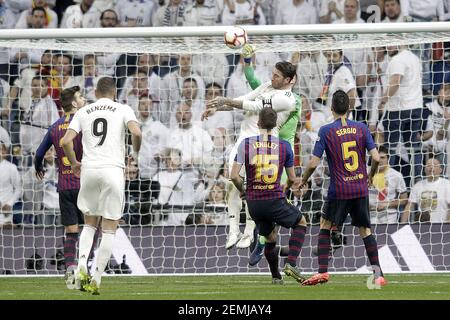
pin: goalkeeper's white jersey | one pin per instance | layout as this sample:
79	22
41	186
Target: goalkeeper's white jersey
103	125
282	101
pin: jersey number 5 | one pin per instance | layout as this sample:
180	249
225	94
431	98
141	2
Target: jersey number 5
350	154
100	129
266	162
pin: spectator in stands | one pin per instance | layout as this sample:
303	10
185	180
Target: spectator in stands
7	17
4	137
351	10
436	135
296	12
331	10
89	77
311	71
4	103
140	88
18	6
109	19
41	196
62	75
37	117
401	107
224	120
26	17
242	12
190	96
339	77
10	185
172	85
424	10
136	13
202	13
393	11
154	139
194	142
389	195
82	15
170	15
198	218
430	198
179	186
211	67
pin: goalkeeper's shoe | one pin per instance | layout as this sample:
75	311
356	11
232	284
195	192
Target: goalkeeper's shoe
69	277
92	287
245	241
233	238
316	279
82	279
294	273
380	281
256	254
248	50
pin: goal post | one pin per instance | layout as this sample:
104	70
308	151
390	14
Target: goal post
175	217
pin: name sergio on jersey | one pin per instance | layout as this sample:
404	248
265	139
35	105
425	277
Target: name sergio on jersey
100	108
344	131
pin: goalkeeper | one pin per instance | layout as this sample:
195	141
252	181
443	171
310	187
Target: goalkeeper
276	94
286	132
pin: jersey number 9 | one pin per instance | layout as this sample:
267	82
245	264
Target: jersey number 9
100	129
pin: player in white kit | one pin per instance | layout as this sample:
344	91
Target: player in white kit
103	125
274	94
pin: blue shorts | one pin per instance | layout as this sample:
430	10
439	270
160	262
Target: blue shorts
267	213
70	214
336	210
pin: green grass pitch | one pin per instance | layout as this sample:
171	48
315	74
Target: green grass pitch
236	287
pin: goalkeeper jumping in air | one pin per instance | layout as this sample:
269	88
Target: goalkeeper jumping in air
276	94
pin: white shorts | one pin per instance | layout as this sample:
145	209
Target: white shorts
102	192
233	154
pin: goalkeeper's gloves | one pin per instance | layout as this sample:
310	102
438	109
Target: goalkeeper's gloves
247	52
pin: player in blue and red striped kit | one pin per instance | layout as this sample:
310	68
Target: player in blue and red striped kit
68	183
265	157
345	143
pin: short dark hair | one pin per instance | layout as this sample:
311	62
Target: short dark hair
40	78
109	10
190	80
67	97
383	149
340	103
38	9
287	69
106	86
398	1
267	118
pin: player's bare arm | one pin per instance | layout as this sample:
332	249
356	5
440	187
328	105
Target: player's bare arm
312	165
136	138
375	161
67	145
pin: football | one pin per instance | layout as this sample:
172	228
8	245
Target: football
235	38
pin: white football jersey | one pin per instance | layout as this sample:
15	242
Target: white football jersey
103	125
282	101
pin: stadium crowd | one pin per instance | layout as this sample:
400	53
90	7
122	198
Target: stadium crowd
181	173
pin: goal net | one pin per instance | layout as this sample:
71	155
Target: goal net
175	218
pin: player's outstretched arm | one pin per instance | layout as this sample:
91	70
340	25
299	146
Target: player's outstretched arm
248	52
